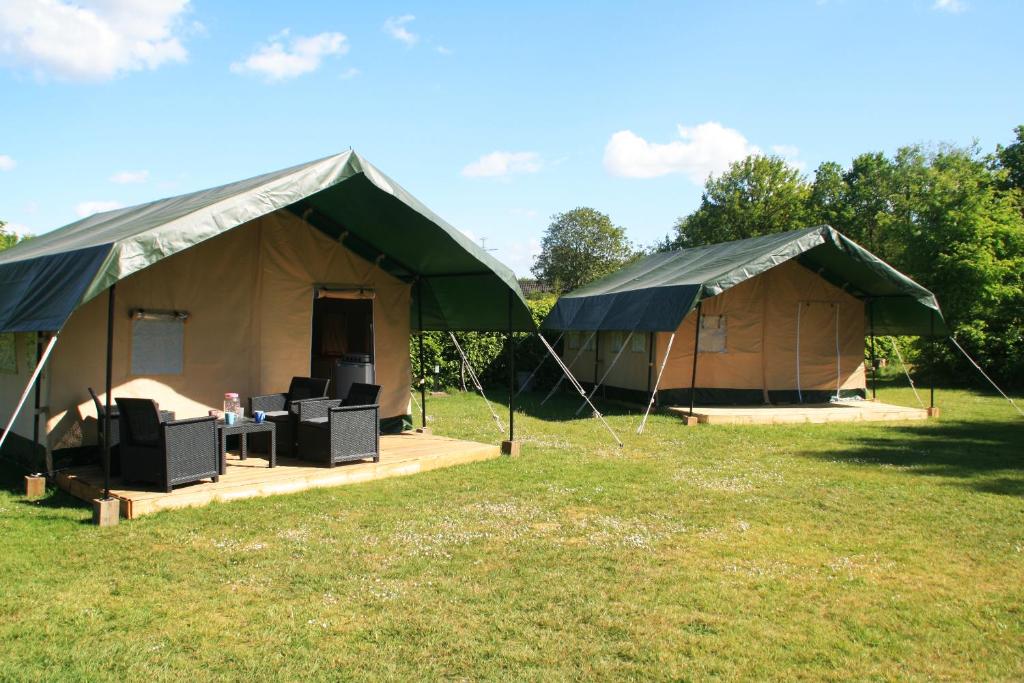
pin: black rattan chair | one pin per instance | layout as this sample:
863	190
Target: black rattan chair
115	430
165	453
283	411
348	431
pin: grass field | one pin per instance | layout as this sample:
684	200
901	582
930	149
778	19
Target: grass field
821	551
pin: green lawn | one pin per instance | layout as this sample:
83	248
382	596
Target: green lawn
822	551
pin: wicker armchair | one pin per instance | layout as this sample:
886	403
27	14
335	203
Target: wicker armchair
115	430
333	431
165	453
283	410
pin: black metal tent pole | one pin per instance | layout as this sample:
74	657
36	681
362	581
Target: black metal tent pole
38	401
423	371
111	296
931	373
874	360
511	373
650	359
696	347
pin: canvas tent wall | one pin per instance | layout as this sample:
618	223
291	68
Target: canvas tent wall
243	260
784	319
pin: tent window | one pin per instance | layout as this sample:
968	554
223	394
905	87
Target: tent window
574	340
591	343
618	339
712	334
639	343
158	346
8	354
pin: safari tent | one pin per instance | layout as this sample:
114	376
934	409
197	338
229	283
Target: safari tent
782	319
238	288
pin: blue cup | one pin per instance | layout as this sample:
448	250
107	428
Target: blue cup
259	416
229	418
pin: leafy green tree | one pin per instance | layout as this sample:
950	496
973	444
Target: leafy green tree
1011	159
758	195
9	238
962	236
581	246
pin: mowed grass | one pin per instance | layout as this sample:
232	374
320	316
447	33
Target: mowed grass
861	551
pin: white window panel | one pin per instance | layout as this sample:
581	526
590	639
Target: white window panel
712	334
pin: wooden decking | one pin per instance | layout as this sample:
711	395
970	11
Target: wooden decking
843	411
401	454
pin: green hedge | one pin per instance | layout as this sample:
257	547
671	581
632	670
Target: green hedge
486	352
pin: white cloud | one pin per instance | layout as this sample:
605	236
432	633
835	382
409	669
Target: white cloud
446	51
951	6
91	40
275	61
703	150
349	73
127	177
396	28
19	229
530	214
7	163
791	154
498	164
519	255
89	208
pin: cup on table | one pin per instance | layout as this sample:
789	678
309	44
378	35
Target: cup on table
229	418
259	416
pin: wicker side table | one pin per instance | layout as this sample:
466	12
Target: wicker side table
243	428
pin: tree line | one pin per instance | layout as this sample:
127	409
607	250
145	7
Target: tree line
951	217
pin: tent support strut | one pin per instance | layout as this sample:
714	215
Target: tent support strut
28	389
423	371
111	298
931	373
696	349
874	359
511	374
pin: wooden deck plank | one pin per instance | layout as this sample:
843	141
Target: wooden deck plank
843	411
401	455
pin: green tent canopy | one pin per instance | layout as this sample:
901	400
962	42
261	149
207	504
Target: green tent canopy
462	287
657	292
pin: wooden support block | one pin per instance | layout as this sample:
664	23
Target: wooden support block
934	412
106	511
690	420
511	447
35	486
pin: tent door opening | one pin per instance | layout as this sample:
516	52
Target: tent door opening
343	342
817	340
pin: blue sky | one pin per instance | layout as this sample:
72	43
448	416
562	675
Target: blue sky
496	116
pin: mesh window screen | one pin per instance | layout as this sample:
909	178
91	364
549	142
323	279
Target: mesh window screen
712	334
158	346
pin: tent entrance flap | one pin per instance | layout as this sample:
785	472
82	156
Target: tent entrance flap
343	345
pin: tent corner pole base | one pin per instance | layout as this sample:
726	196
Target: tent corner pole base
106	511
510	447
35	486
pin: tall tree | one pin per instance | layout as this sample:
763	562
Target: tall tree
1011	159
8	238
756	196
580	246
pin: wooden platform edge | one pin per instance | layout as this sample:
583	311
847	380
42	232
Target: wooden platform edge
295	481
